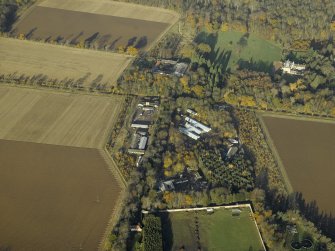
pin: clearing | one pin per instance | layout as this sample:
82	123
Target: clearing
235	49
60	62
217	231
54	197
305	149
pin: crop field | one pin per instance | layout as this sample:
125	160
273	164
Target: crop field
54	197
106	23
60	62
256	53
306	151
217	231
54	118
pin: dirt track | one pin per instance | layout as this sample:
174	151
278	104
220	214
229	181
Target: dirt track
54	197
57	118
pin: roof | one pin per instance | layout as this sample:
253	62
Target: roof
232	151
189	133
138	125
143	143
198	124
136	151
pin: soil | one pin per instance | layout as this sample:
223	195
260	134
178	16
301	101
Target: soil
306	149
73	26
54	197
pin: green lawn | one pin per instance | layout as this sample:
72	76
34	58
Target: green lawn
218	232
256	53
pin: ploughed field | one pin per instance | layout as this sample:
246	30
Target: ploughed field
54	197
45	23
107	24
306	149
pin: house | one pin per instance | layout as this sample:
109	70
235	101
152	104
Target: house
170	67
289	67
166	186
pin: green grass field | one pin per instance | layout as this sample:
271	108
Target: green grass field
219	231
255	53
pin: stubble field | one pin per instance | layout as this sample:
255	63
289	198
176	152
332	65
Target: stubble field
60	62
306	151
55	118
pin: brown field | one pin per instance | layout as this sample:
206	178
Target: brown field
106	24
60	62
306	150
57	118
54	197
109	31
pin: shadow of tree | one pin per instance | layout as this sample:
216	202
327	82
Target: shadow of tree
142	42
260	66
131	41
166	231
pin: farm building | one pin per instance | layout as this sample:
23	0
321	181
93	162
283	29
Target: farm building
139	140
193	128
197	124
